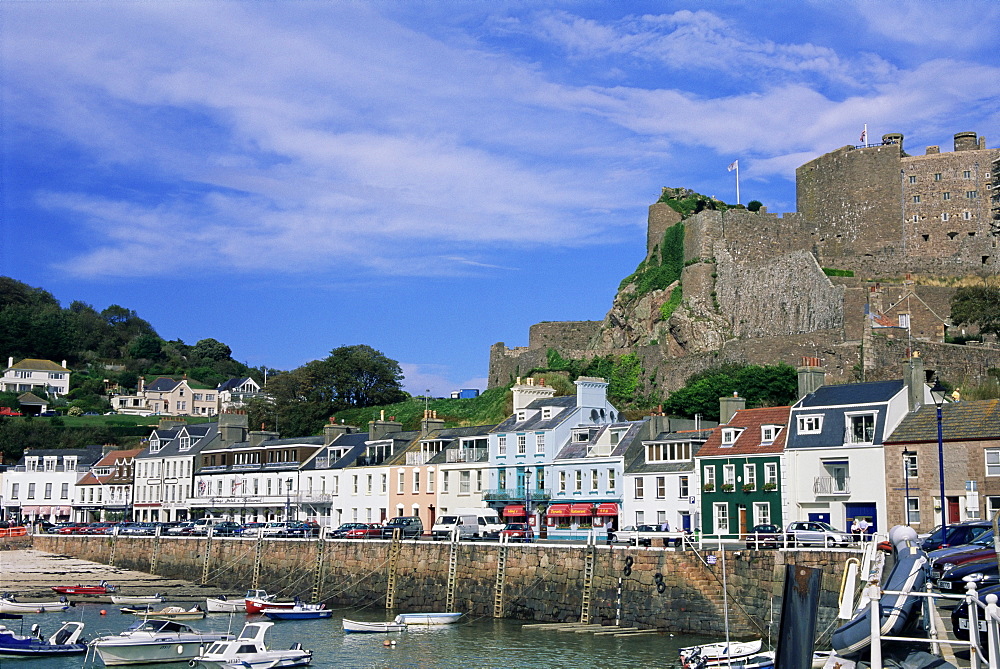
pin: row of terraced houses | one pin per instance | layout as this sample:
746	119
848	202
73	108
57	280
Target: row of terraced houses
570	465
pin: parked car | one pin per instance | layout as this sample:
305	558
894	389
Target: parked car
69	528
960	618
182	529
278	528
225	528
958	534
251	529
364	531
7	411
342	531
765	536
48	414
138	529
302	530
518	532
408	526
983	572
814	532
97	528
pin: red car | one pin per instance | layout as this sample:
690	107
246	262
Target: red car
517	532
70	528
367	530
7	411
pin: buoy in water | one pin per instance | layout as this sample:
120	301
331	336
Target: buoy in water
388	642
104	612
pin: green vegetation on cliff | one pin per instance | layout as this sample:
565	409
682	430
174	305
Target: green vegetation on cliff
489	408
663	267
761	386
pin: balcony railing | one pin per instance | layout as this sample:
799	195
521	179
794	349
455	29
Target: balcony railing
516	494
467	454
829	485
418	458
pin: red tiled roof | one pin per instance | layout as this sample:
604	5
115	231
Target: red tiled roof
749	443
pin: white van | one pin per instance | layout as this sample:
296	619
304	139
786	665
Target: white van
467	526
489	524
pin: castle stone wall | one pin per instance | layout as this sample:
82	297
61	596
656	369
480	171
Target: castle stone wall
563	334
661	216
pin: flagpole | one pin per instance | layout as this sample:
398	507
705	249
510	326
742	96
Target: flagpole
737	182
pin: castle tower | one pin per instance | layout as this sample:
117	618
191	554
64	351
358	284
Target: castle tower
966	141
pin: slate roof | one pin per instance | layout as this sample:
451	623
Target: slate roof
354	442
35	364
851	394
30	398
749	441
454	434
536	422
960	421
635	459
232	383
85	457
165	384
109	460
578	449
203	435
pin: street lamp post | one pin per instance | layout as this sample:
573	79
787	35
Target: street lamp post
937	393
907	454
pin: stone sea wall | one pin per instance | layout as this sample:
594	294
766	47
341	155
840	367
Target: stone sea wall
675	591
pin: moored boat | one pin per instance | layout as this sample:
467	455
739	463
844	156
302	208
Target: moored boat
258	600
138	599
428	618
174	613
372	627
299	612
9	604
716	654
66	641
153	641
222	604
250	652
103	588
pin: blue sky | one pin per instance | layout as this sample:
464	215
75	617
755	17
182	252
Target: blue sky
429	178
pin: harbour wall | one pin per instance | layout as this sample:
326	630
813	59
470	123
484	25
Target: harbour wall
666	589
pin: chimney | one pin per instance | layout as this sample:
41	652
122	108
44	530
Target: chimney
333	429
233	427
591	391
430	422
10	361
258	437
728	406
527	392
811	376
64	365
142	385
914	379
380	429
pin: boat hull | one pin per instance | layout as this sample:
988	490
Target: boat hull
292	614
32	607
258	605
373	627
44	650
156	651
259	662
152	599
225	605
428	618
82	589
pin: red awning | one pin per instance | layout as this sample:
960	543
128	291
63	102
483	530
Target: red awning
607	509
581	509
558	510
29	510
513	510
44	510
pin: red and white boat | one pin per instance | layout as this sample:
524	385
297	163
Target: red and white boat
103	588
258	600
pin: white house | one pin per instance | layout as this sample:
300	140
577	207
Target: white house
32	375
42	486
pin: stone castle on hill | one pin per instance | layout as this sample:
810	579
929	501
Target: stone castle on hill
861	274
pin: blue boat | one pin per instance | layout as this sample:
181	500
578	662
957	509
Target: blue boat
299	612
66	641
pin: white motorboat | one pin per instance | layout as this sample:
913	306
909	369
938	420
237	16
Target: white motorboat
221	604
9	604
372	627
138	599
718	654
154	641
428	618
249	651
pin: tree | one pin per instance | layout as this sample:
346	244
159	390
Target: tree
360	376
754	205
768	385
977	305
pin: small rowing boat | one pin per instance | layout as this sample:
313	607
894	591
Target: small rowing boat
428	618
9	604
372	627
299	612
222	604
174	613
718	654
138	599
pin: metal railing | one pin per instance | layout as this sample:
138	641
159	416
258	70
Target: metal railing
467	454
831	485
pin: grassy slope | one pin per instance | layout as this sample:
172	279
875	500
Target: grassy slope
491	407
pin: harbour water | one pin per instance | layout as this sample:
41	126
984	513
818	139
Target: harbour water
471	644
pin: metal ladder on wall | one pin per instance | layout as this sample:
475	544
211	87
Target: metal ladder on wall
114	543
452	572
155	557
318	575
255	582
588	584
395	548
208	555
501	580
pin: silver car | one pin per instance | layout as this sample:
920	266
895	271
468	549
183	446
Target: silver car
816	533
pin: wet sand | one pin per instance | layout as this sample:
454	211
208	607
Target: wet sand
30	574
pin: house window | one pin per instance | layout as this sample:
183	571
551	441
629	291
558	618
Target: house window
904	320
581	436
521	415
48	491
761	513
916	199
639	487
464	482
944	216
479	480
593	479
836	481
812	424
384	481
668	451
64	491
562	481
971	194
522	444
768	433
368	486
913	179
861	428
720	512
661	487
612	482
502	444
992	461
992	505
539	442
546	413
15	490
400	482
31	491
937	176
967	174
910	465
771	473
967	215
728	475
710	478
579	480
683	487
430	480
640	517
913	503
946	196
444	481
730	435
750	477
416	480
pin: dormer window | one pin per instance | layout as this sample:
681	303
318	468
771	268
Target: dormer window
522	416
673	451
546	413
768	433
812	424
730	435
860	428
616	436
581	436
184	443
155	445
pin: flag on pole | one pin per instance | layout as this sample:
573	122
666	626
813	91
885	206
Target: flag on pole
733	165
864	134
